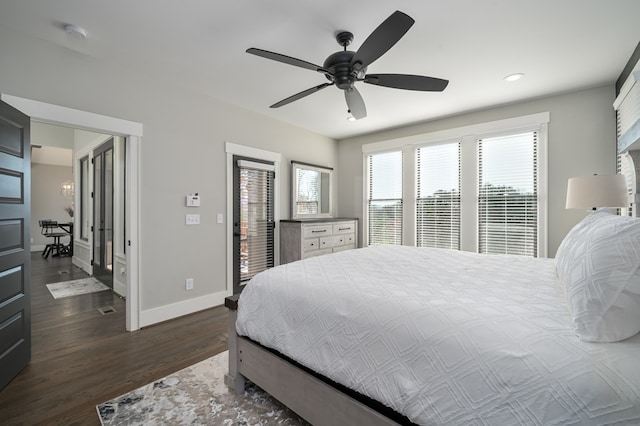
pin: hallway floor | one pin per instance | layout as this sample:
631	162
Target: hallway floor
81	357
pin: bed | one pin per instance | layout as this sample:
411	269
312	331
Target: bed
395	334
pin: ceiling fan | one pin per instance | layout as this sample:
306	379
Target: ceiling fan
345	68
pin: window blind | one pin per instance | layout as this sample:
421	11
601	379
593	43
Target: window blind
438	196
384	207
625	167
256	218
508	194
628	111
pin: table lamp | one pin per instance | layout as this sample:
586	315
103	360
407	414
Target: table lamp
591	192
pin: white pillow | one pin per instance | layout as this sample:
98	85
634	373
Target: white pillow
599	266
573	242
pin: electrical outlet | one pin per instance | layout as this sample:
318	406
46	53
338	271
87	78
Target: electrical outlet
188	284
219	218
192	219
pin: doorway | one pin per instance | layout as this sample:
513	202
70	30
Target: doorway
103	201
132	132
253	219
234	153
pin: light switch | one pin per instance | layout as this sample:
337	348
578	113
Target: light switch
193	200
220	218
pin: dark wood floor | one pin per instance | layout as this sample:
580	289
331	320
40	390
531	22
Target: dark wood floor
81	357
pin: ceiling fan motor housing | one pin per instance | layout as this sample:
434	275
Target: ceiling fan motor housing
339	64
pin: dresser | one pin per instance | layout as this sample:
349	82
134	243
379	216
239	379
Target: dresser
301	239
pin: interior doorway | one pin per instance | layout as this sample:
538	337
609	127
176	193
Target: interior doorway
131	132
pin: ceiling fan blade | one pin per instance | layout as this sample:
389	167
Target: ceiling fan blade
382	39
407	82
355	103
300	95
286	59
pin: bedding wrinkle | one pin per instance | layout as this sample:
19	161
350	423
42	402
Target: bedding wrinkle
444	337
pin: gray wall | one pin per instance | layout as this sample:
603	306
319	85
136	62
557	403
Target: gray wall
46	200
581	141
182	151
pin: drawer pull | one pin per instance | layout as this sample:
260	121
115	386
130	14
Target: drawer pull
311	244
314	231
344	229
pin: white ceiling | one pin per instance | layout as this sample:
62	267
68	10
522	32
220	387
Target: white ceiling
561	45
51	155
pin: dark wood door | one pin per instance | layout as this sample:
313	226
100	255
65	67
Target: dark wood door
103	213
15	234
253	219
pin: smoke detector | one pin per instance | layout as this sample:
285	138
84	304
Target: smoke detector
75	31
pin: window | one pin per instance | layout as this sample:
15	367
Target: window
508	194
479	188
384	205
438	196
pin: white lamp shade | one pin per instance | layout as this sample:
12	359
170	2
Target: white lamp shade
587	192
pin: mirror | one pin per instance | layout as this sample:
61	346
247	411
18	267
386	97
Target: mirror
310	191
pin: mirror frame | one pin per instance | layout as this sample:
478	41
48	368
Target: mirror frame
295	166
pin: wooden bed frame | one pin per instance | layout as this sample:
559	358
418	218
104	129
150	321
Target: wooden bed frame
314	400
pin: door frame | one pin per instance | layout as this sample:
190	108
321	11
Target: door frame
246	151
132	132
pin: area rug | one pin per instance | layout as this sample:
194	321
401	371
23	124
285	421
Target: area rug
75	287
196	395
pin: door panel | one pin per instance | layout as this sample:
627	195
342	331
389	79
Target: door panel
15	264
103	213
253	219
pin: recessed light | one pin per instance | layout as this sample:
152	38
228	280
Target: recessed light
76	31
514	77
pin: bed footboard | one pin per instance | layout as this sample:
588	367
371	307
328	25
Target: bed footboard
303	393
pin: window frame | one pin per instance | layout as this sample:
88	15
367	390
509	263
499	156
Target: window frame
368	187
416	177
468	137
536	173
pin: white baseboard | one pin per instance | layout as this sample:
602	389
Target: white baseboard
82	265
175	310
120	289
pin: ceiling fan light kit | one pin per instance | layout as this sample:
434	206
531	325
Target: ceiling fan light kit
345	68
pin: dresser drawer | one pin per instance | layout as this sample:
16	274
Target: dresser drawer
309	231
332	241
343	248
310	244
315	253
344	228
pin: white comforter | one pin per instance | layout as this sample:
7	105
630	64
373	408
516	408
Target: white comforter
444	337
